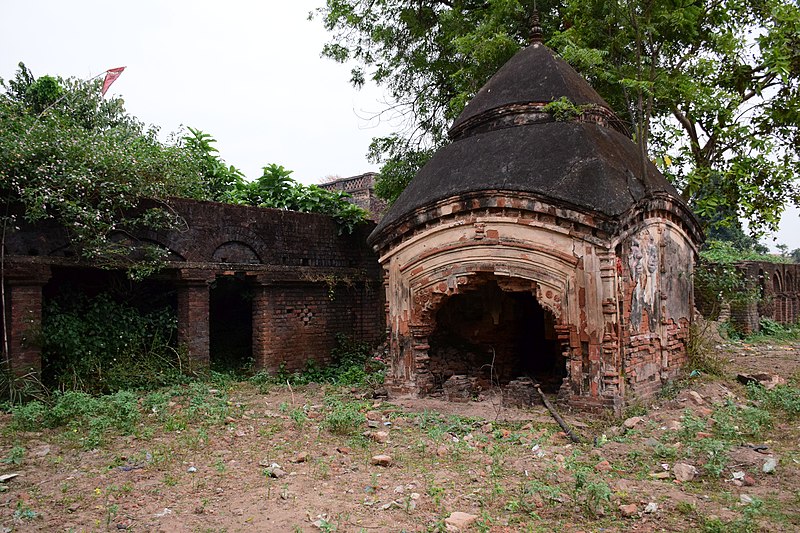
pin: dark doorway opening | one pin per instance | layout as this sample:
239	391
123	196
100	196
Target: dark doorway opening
231	324
496	337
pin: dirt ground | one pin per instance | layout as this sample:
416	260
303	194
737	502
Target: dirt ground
274	464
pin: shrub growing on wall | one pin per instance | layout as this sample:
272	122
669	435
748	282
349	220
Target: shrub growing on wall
99	345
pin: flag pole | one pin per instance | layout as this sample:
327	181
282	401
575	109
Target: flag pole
46	109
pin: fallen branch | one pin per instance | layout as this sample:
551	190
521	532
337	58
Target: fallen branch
574	437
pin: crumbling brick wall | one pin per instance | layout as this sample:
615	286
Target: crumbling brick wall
309	282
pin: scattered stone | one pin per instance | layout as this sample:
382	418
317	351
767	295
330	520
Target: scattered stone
344	450
632	422
696	398
603	466
748	481
300	457
704	412
766	380
276	472
745	499
769	465
651	442
659	475
458	521
191	470
373	424
381	460
165	512
628	510
7	477
373	415
703	435
381	437
41	451
652	507
738	475
674	425
684	472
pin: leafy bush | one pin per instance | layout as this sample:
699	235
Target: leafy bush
98	345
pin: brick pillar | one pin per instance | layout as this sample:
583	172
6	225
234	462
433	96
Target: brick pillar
193	321
24	319
263	352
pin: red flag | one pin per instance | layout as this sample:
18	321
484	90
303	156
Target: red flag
111	77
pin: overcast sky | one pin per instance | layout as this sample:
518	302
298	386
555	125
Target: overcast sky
249	73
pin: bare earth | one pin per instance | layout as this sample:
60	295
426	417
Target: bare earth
479	458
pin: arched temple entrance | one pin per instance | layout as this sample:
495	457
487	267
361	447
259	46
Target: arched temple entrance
495	336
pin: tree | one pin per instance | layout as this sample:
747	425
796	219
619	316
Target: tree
70	156
708	87
276	189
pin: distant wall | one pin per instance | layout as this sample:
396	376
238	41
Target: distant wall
778	289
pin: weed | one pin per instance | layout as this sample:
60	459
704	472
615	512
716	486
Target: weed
15	456
299	417
24	512
343	418
781	398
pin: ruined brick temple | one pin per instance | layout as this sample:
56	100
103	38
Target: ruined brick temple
538	245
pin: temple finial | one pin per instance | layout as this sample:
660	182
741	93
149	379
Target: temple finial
537	35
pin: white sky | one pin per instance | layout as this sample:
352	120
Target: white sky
247	72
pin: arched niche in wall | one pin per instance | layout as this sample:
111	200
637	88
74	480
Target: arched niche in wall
235	252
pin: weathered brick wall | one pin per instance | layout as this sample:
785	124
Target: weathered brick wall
776	288
309	281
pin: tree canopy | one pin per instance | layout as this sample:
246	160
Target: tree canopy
709	88
71	156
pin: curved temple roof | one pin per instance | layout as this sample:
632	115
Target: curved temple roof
505	140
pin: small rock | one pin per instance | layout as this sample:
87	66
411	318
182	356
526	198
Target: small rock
442	451
769	465
748	481
673	425
373	415
738	475
459	521
659	475
373	424
628	510
41	451
632	422
381	437
768	381
300	457
704	412
745	499
652	507
191	470
703	435
276	472
381	460
696	398
684	472
603	466
344	450
651	442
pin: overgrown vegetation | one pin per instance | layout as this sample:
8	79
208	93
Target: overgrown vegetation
352	363
99	345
